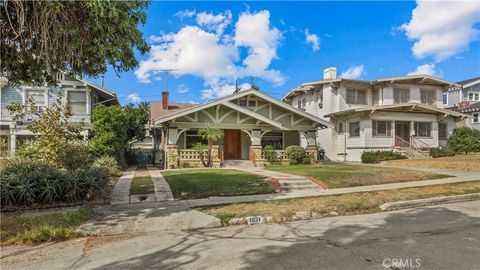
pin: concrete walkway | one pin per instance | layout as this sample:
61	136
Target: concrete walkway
458	176
121	190
162	189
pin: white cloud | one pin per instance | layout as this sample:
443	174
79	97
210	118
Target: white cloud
217	23
353	73
134	98
216	57
313	40
442	28
182	14
221	89
182	89
427	69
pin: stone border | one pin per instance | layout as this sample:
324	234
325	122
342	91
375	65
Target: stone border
429	201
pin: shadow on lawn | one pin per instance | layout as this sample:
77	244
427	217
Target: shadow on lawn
424	233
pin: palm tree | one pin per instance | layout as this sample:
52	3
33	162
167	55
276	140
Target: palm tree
211	134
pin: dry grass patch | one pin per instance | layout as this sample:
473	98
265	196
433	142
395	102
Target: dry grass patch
345	204
469	162
338	175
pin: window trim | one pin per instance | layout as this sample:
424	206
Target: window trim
350	130
388	130
415	129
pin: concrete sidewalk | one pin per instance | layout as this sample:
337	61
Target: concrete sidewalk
458	176
121	190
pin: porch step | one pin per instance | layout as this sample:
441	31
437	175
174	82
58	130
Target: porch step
294	183
237	163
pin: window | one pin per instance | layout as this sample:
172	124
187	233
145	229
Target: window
442	131
375	96
423	129
252	103
275	139
355	96
475	118
401	95
242	102
354	129
38	98
78	102
472	96
299	104
382	128
304	103
427	97
445	98
319	99
191	138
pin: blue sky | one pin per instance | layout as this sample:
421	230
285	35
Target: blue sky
279	45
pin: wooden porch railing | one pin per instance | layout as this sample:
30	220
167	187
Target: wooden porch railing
401	142
419	144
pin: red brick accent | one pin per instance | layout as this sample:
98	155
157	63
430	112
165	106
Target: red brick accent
320	183
276	185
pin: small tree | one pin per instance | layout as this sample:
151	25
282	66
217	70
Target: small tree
211	134
200	148
465	140
52	125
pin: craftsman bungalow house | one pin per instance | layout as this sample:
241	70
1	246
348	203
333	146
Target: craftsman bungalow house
249	119
83	96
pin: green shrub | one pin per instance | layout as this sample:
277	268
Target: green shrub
75	155
378	156
26	182
29	149
269	154
465	140
109	163
185	164
295	154
437	152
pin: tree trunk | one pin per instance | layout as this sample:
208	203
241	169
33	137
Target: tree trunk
209	153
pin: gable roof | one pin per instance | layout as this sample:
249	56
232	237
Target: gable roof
226	101
157	111
399	106
470	82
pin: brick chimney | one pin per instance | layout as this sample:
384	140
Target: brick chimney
330	73
165	100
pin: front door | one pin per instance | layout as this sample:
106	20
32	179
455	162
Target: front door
232	144
402	133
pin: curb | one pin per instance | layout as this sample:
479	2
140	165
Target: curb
429	201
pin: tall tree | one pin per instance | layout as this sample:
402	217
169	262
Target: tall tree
211	134
41	38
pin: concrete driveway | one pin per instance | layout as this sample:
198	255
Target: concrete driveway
437	237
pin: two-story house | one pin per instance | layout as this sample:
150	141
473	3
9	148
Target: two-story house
465	98
83	96
402	113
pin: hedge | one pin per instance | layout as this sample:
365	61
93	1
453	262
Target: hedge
379	156
437	152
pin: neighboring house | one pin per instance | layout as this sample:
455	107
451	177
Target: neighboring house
249	119
83	97
402	113
465	98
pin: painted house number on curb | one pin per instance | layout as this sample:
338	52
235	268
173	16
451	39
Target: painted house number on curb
255	220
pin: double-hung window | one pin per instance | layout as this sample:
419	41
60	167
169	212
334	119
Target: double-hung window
401	95
475	118
37	97
427	97
356	97
382	128
423	129
354	129
78	102
442	131
445	98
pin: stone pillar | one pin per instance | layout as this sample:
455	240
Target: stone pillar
171	157
312	149
255	154
13	143
216	156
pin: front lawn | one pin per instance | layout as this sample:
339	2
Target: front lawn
204	183
337	175
42	227
469	162
344	204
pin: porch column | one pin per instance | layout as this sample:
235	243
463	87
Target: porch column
312	149
13	142
171	156
412	132
255	151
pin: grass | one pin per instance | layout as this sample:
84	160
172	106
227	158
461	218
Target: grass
459	162
336	175
141	183
345	204
35	228
203	183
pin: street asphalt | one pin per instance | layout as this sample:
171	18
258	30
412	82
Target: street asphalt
437	237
